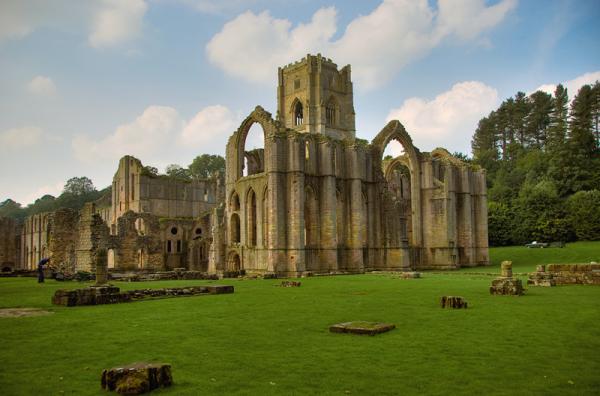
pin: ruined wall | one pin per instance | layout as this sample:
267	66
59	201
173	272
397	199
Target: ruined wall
135	190
10	243
327	205
34	240
63	239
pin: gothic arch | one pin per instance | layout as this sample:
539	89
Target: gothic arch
238	139
394	130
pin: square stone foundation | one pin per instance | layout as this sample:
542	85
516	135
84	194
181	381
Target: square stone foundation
361	327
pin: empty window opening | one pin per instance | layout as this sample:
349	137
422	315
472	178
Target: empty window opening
169	247
179	246
253	151
296	84
174	230
298	114
330	114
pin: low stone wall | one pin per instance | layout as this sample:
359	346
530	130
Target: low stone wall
565	274
96	295
164	275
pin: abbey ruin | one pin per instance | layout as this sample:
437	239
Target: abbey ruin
315	200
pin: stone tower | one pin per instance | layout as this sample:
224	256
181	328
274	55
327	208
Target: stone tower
315	97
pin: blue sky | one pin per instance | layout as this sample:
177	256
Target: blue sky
85	82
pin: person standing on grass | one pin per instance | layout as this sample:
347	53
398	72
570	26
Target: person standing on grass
41	264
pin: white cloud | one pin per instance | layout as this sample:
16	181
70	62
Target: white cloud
397	32
161	135
41	85
16	138
214	6
106	22
448	120
117	21
573	85
210	123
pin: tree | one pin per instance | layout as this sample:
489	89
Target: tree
149	171
10	208
206	165
584	214
79	186
177	172
500	224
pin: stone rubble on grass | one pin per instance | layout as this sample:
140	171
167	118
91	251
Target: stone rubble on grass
96	295
361	327
137	378
454	302
505	284
290	284
410	275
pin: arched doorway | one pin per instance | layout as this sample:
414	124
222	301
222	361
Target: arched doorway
234	263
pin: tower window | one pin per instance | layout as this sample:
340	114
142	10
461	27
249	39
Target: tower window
296	84
330	114
298	114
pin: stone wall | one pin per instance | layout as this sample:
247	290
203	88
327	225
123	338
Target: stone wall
10	244
565	274
63	239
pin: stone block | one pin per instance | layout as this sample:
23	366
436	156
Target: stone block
410	275
137	378
507	287
219	289
362	327
506	269
454	302
290	284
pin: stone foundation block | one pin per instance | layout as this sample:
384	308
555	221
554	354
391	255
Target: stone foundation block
290	284
410	275
454	302
361	327
137	378
507	287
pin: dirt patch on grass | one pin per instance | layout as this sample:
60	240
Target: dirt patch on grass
22	312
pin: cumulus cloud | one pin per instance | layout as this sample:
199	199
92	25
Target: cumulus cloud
161	135
573	85
449	119
379	44
17	138
117	21
41	85
108	22
210	123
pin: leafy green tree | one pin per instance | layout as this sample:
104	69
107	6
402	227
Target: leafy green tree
177	172
206	165
79	186
584	214
500	224
10	208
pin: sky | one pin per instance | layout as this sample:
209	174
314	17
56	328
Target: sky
83	83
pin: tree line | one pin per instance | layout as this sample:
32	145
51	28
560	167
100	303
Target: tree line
542	156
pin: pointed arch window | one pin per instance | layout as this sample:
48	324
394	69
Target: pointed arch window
298	114
330	116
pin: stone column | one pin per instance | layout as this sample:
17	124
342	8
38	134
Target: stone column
295	189
506	268
328	217
274	163
101	264
357	217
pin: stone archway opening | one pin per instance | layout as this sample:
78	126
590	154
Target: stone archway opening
253	148
234	262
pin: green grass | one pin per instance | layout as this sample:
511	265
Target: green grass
265	339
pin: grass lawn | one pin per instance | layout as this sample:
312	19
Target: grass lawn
265	339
